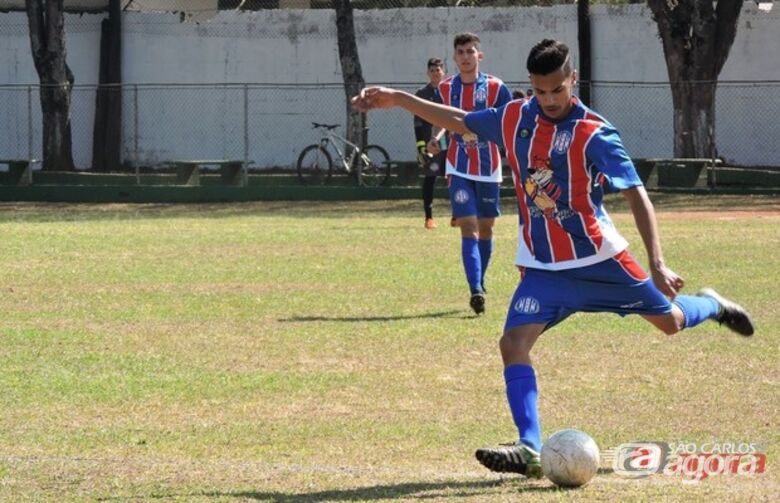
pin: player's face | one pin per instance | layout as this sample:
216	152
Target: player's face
435	74
467	57
554	92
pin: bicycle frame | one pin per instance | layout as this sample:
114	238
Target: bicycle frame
335	139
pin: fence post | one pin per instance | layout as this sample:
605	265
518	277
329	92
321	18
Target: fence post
245	174
29	134
135	135
711	178
29	124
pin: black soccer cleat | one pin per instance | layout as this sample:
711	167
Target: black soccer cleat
731	314
514	457
477	302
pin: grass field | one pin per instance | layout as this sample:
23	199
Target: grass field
325	352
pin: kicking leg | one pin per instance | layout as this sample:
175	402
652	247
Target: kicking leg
521	391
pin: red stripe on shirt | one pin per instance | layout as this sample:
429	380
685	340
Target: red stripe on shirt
467	104
580	182
492	88
561	246
509	126
445	86
627	262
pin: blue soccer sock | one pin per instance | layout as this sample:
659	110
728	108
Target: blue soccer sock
522	395
472	263
485	250
697	309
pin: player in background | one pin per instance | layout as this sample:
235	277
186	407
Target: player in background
572	256
431	165
473	166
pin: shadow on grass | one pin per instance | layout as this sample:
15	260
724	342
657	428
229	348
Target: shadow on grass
417	490
442	314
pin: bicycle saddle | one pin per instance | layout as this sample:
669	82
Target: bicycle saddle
326	126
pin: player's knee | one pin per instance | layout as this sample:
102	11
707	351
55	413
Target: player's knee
671	325
515	346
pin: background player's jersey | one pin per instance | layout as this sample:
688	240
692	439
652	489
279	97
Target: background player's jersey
473	157
559	169
423	130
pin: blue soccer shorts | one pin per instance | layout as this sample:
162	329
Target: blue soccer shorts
471	198
616	285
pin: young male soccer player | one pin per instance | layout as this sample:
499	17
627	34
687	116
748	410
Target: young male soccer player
572	256
473	166
432	165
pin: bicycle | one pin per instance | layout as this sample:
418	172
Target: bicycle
369	165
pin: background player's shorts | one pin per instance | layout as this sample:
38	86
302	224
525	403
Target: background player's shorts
617	285
471	198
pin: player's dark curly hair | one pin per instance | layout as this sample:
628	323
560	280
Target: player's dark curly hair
548	56
434	62
465	38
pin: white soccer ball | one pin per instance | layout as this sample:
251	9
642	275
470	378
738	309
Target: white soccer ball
570	458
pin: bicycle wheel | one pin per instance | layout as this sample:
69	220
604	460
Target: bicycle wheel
314	165
377	171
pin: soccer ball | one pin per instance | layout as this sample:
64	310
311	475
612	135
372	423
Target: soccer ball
570	458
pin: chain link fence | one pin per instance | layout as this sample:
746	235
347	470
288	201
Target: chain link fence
267	126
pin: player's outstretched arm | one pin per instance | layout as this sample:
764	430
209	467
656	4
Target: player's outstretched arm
445	117
644	216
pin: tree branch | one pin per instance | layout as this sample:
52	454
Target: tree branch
36	25
727	18
55	27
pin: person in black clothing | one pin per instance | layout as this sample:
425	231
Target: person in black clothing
431	165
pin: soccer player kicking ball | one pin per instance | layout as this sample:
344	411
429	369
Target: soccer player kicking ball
572	257
473	165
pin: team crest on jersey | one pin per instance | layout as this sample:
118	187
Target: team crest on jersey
525	133
481	95
461	196
470	139
541	187
527	305
562	142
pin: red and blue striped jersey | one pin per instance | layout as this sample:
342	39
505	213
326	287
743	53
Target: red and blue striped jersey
472	157
559	170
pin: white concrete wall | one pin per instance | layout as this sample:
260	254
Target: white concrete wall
299	47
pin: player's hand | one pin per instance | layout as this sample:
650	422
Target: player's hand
373	97
667	281
433	146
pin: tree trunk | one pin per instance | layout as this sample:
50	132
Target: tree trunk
583	40
350	69
47	41
107	132
697	36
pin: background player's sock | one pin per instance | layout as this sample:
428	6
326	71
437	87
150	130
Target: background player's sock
485	250
429	183
697	309
472	263
522	395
